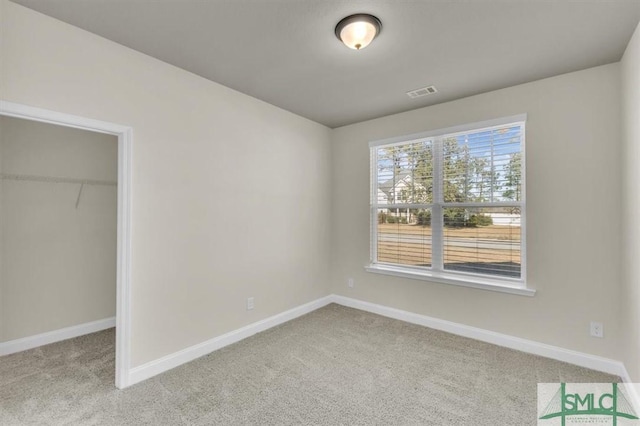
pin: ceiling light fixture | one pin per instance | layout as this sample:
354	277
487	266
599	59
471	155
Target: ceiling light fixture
357	31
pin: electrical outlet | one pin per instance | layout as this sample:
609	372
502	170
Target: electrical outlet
597	329
249	303
350	283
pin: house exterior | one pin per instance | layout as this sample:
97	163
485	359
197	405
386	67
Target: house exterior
397	189
400	189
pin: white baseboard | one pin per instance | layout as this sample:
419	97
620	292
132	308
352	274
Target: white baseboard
581	359
153	368
25	343
633	389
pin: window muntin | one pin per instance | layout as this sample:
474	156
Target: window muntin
451	203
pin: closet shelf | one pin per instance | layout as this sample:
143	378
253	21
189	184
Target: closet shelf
52	179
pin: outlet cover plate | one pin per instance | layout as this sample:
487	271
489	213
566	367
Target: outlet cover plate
596	329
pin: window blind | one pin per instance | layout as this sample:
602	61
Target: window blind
451	203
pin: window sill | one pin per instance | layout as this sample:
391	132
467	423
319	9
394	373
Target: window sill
511	287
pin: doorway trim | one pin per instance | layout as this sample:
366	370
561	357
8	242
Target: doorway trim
123	280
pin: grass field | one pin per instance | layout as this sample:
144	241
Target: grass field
490	232
490	249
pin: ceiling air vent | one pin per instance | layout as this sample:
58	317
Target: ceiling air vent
424	91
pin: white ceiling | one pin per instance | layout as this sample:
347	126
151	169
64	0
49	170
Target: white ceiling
285	51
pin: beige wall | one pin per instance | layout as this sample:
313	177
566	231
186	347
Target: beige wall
630	67
59	261
1	219
235	198
230	194
573	196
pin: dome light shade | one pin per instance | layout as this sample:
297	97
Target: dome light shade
357	31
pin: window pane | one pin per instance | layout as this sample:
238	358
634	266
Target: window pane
482	241
405	173
404	236
482	166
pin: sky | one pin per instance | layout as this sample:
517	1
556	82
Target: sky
497	144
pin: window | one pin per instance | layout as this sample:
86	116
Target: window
449	205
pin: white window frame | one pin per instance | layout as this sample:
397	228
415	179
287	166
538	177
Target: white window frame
436	272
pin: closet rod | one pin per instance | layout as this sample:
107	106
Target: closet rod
53	179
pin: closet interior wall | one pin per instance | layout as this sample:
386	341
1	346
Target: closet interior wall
58	212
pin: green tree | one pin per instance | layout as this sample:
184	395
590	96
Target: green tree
422	172
390	166
482	178
454	171
455	167
417	162
513	178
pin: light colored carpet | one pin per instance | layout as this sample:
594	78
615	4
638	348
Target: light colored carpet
337	366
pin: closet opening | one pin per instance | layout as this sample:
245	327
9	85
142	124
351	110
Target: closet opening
64	244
